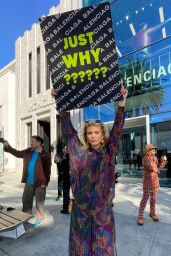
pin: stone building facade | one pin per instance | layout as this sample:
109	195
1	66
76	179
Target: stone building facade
7	115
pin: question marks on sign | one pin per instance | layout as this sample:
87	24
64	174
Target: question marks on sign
89	73
67	77
104	71
86	75
74	76
82	75
96	71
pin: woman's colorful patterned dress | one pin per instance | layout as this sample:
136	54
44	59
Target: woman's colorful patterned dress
92	228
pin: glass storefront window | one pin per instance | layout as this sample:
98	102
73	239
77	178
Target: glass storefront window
147	74
131	151
160	133
140	30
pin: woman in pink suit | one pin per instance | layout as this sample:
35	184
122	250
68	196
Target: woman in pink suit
151	185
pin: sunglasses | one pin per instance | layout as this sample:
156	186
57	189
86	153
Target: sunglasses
93	121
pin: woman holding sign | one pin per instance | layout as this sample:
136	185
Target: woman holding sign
92	229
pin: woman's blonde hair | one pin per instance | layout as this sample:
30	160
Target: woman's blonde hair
104	131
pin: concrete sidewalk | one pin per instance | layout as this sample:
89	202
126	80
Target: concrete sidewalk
51	238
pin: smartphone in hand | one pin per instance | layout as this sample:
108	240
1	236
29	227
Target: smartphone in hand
2	140
164	157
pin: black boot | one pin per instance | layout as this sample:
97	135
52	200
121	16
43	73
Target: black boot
64	212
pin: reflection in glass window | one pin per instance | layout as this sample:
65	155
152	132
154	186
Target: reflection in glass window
134	28
160	133
164	61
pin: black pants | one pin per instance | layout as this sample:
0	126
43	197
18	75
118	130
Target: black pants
60	183
28	196
66	190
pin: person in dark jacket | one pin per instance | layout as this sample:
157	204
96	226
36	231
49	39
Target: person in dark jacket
36	174
63	168
57	160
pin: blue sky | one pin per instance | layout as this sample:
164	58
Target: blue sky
16	17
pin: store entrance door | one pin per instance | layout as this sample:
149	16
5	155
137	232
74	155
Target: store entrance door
44	131
134	137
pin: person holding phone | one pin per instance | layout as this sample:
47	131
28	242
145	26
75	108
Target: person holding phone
151	185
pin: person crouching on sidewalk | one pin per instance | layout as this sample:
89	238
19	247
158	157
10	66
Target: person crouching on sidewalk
151	185
36	174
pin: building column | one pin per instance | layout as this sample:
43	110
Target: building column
34	124
75	4
148	128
